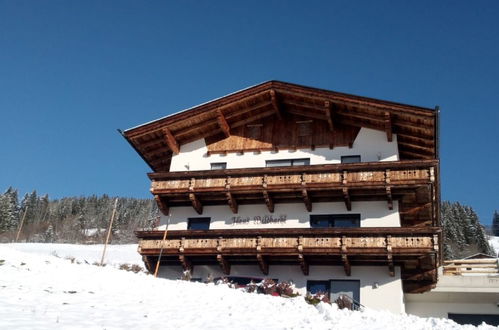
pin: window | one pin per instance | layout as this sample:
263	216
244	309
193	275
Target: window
198	223
334	220
318	287
334	289
287	162
475	319
350	159
349	288
218	166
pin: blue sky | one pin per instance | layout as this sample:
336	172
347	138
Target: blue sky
72	72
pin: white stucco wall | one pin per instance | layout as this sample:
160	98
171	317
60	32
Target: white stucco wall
370	144
477	294
372	214
377	289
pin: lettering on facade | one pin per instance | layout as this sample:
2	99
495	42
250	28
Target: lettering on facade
259	219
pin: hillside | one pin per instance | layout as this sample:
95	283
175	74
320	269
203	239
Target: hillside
52	287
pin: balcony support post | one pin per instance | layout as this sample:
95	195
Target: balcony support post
346	198
185	262
346	265
306	200
389	197
391	267
232	202
303	264
162	205
263	264
344	256
388	127
196	204
346	195
224	264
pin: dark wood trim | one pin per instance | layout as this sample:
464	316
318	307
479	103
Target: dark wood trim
170	140
275	104
362	231
224	126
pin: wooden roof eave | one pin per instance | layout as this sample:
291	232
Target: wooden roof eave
263	96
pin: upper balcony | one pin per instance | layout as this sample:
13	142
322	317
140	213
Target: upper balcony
412	183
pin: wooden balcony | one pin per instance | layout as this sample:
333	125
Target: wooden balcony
416	250
413	183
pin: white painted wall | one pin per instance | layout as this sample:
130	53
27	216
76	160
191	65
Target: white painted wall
372	214
457	294
369	144
377	289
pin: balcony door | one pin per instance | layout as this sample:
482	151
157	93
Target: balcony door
350	288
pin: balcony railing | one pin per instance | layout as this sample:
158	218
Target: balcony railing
413	181
417	249
313	241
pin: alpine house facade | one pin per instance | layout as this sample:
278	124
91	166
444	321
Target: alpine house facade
335	192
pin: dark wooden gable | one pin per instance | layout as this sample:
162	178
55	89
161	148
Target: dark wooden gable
277	115
292	132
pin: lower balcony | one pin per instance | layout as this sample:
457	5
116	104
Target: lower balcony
415	250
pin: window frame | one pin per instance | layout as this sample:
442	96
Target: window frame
343	158
356	299
291	161
326	282
332	218
224	166
196	221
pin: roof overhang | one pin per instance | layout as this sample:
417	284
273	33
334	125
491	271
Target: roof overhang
415	127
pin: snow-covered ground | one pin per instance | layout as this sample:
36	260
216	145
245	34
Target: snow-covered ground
115	254
41	291
494	242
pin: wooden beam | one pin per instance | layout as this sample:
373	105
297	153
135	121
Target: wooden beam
303	265
306	200
268	201
185	262
170	140
253	118
305	113
196	204
224	126
232	202
150	143
346	265
224	264
346	198
388	126
389	198
275	104
162	205
263	264
391	267
329	115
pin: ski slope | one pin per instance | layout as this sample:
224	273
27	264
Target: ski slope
39	290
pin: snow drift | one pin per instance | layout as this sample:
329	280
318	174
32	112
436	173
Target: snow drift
39	290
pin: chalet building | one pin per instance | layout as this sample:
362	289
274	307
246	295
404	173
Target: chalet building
336	192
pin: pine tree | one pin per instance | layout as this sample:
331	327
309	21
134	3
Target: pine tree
495	224
462	231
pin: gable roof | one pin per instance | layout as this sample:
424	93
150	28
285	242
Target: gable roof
156	141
